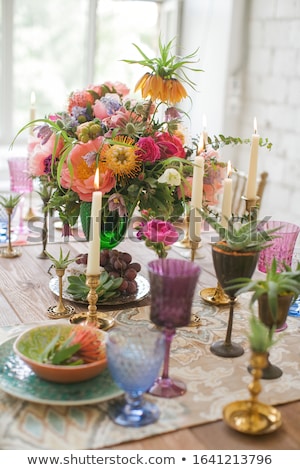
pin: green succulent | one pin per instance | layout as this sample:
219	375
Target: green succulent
11	201
260	336
276	283
62	262
244	234
108	287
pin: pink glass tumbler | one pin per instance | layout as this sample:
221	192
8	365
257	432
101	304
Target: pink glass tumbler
20	181
172	284
282	246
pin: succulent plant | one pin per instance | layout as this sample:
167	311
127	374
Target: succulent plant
260	336
11	201
275	283
108	287
63	261
243	234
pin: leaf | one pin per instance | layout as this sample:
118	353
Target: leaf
65	353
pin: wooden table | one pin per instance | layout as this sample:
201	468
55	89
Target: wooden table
25	297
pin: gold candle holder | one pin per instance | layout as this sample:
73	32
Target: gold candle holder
252	416
185	242
9	251
92	317
215	295
60	310
252	206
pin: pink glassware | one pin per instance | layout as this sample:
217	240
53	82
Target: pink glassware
282	247
20	181
172	284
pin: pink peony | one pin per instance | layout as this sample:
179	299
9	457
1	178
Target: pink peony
41	155
159	231
148	150
170	145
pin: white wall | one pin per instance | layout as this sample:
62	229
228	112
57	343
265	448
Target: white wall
271	92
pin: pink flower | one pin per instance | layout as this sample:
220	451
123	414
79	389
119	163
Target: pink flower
41	156
83	161
119	87
148	150
159	231
79	98
170	145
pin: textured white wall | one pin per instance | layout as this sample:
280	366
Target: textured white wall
270	90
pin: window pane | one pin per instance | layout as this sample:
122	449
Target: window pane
49	44
119	25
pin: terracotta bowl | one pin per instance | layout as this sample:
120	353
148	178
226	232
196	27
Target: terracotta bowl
30	345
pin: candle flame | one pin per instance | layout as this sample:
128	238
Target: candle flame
200	146
32	98
96	180
229	170
204	122
255	125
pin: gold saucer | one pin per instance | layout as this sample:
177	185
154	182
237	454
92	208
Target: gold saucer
212	296
251	417
103	322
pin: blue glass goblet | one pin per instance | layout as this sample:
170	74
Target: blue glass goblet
134	358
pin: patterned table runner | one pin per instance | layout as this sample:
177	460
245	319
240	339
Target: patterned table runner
212	383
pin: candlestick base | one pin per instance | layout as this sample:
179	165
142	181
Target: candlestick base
10	253
92	317
215	296
100	320
55	313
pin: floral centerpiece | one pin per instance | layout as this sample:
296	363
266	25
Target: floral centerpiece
137	144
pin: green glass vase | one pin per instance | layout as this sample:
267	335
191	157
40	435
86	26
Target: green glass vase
113	227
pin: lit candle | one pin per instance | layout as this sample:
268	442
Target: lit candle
205	135
32	110
200	146
196	199
93	261
251	181
227	198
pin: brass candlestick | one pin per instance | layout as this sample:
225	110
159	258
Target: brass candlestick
252	206
252	416
9	251
92	317
185	242
60	310
215	295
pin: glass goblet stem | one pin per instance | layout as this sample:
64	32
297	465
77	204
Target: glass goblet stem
169	334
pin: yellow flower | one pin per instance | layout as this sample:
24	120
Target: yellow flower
121	158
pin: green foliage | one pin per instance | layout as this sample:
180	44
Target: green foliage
243	234
220	141
284	282
107	288
11	201
260	336
63	261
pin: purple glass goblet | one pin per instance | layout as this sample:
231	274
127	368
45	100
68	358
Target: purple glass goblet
172	285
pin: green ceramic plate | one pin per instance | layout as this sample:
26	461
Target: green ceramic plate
17	379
